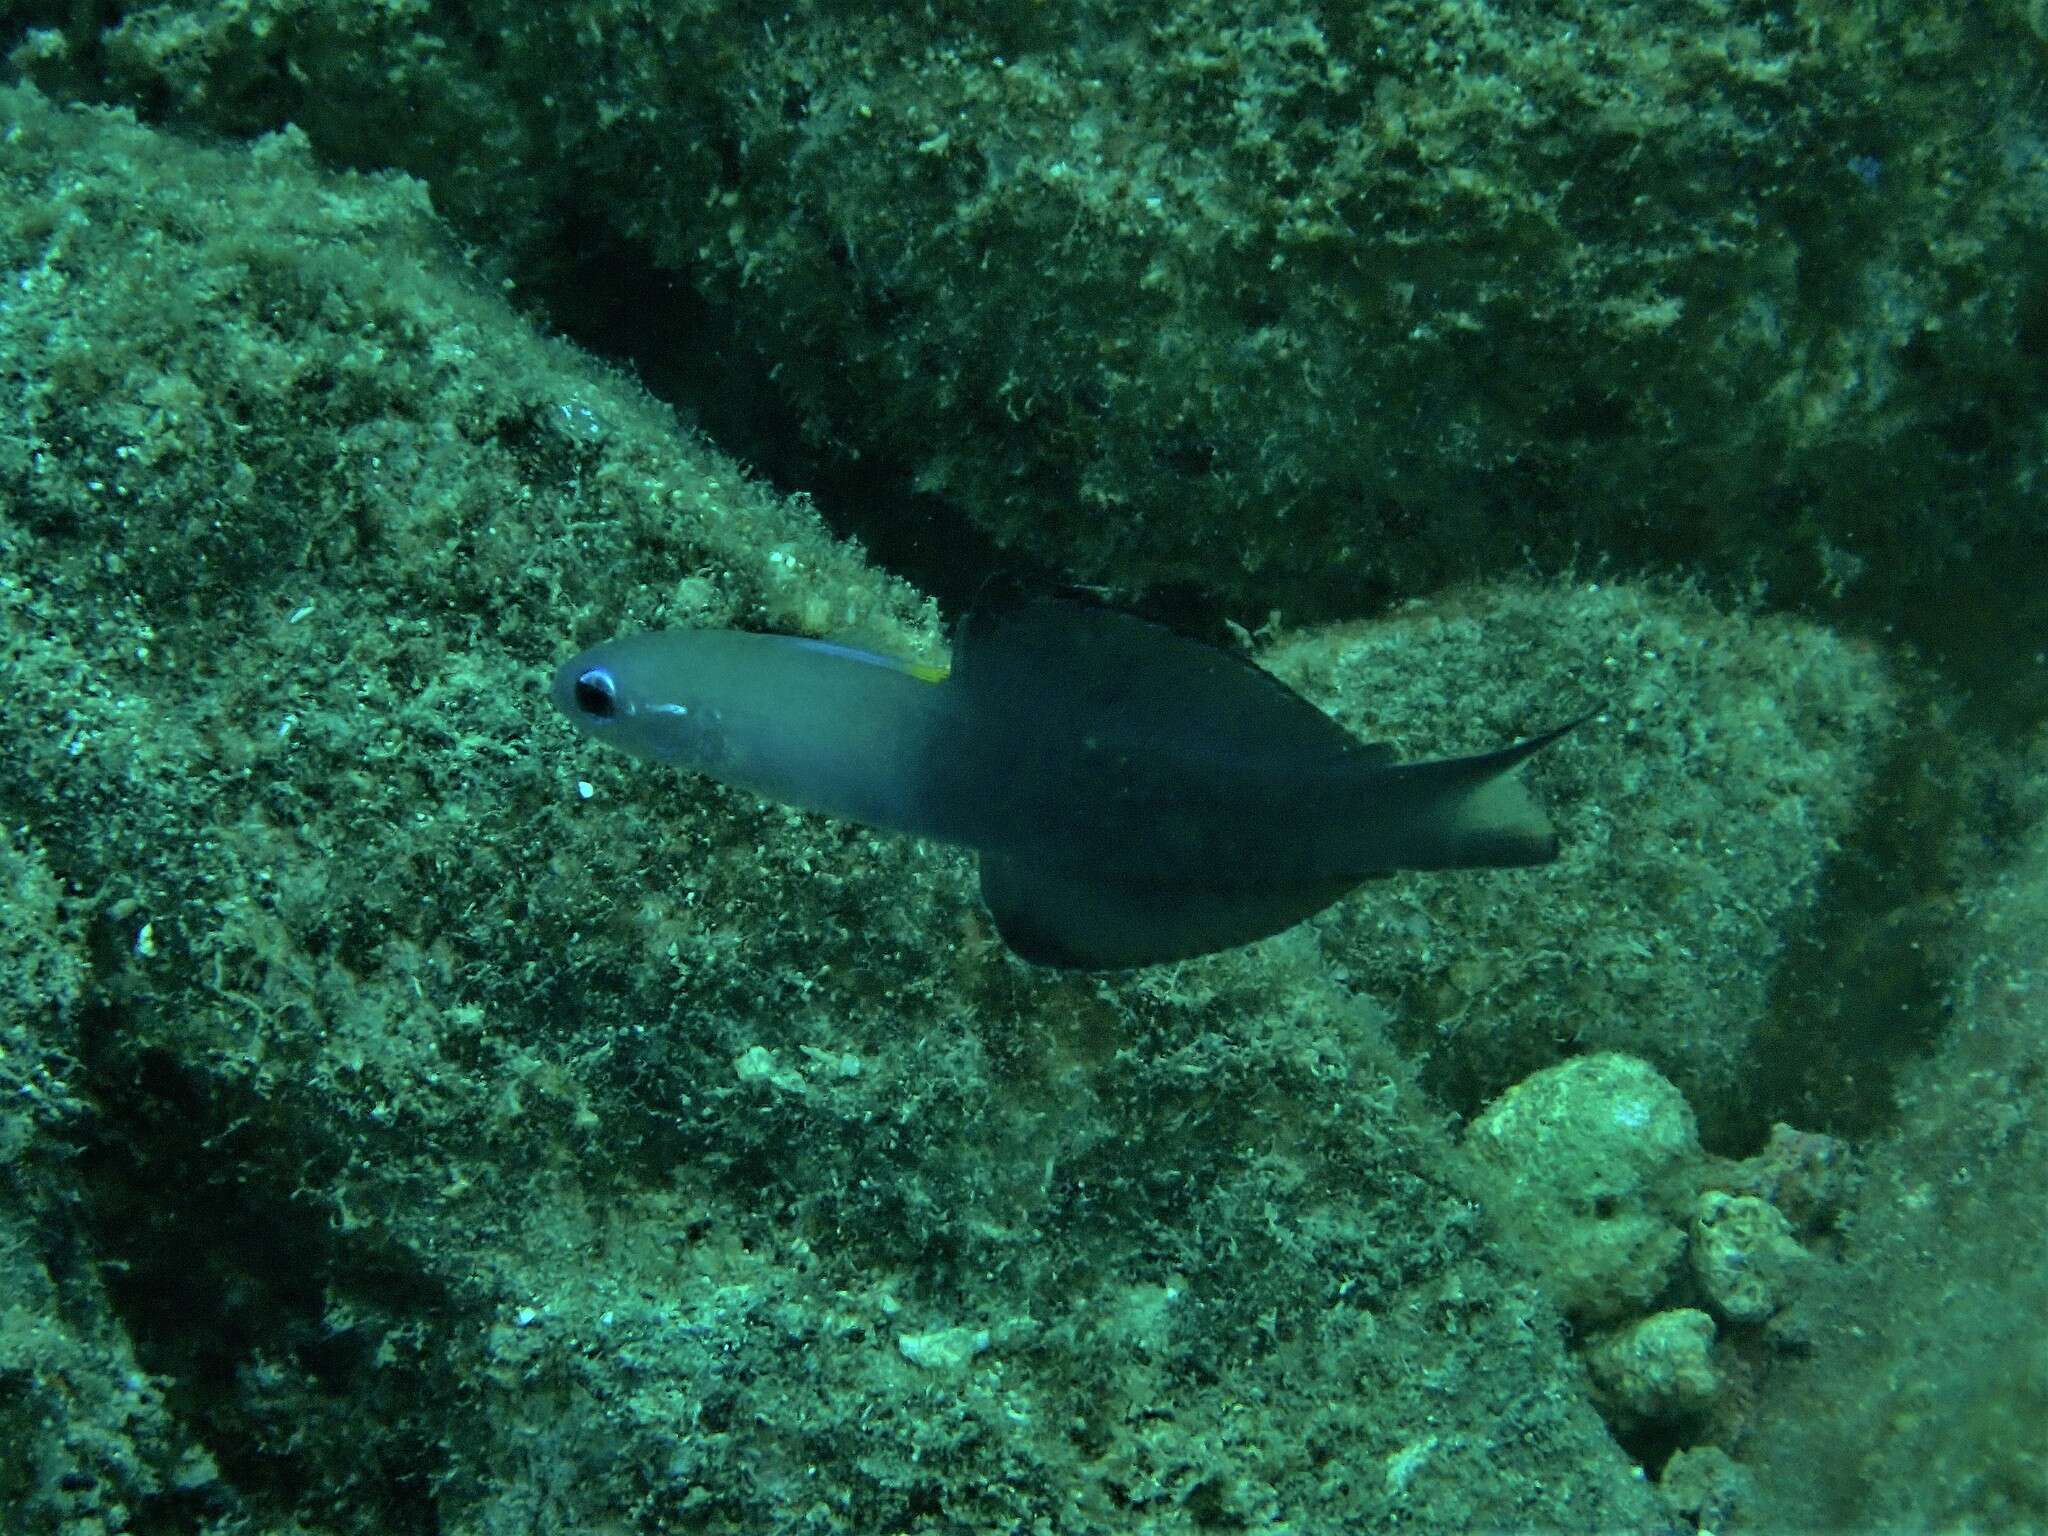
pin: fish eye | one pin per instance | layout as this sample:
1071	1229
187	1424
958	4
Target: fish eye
597	695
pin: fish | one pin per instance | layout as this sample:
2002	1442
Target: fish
1135	796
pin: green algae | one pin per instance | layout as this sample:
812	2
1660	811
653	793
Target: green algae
1919	1403
426	1123
431	1168
1307	309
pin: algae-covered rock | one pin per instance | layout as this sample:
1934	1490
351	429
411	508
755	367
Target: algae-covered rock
1744	1255
1708	1487
487	1134
1805	1176
1916	1399
1658	1369
1731	757
1306	306
1587	1169
89	1436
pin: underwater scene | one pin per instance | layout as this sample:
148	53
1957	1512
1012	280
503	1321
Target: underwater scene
1179	768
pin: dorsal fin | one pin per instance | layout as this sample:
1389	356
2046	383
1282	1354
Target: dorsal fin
1141	677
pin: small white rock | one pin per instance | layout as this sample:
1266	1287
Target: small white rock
943	1349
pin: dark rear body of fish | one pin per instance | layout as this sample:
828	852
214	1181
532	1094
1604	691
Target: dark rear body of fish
1137	795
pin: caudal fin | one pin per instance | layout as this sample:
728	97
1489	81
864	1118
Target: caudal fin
1496	824
1475	812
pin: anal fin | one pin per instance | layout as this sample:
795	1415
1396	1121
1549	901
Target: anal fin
1055	916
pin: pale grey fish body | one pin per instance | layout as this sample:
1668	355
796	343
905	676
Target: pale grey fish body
813	724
